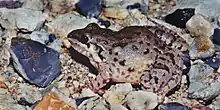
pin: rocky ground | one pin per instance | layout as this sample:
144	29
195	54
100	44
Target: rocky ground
37	70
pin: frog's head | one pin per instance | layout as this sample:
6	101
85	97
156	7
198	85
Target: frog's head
85	42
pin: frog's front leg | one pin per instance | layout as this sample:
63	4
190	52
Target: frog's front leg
101	80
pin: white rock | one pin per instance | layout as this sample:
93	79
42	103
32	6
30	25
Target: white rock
7	102
95	103
141	100
87	93
21	18
40	36
118	107
117	93
30	93
199	26
65	23
33	5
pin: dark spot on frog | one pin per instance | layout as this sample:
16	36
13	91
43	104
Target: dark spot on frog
110	51
146	51
134	47
116	53
122	63
156	79
115	59
130	69
122	73
122	45
141	42
157	50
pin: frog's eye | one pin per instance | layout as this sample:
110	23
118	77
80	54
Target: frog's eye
83	39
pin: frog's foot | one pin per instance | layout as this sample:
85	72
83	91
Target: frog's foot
98	84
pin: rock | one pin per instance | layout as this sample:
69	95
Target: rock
116	94
187	63
46	39
204	82
7	102
27	93
215	105
173	106
60	6
53	89
118	107
216	36
5	57
201	47
213	61
95	103
37	63
116	13
209	9
10	4
141	5
199	26
91	8
88	93
180	16
33	5
141	100
23	19
65	23
53	101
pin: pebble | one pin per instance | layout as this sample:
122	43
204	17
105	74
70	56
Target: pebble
116	13
23	19
141	100
91	8
7	102
213	61
199	26
141	5
216	36
37	63
204	82
53	101
116	94
65	23
95	103
201	47
180	16
36	5
10	4
173	106
28	93
209	9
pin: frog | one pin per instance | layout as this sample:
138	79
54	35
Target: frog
149	56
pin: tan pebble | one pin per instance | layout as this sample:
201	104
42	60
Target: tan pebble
117	13
199	26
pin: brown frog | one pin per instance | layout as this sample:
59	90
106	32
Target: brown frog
147	55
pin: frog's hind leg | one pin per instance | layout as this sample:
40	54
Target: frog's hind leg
165	74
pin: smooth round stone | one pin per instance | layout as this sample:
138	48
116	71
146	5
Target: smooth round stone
89	8
180	17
